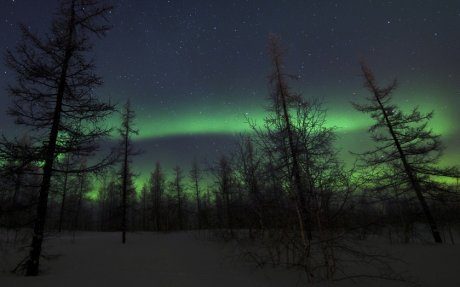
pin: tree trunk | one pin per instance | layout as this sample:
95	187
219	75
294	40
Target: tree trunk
303	210
39	226
407	168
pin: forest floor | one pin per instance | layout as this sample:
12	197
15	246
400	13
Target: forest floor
187	259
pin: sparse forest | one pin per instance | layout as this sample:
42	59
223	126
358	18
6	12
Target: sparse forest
282	197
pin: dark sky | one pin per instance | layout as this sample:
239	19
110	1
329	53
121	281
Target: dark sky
194	69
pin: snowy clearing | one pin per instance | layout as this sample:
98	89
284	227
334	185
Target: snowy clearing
183	259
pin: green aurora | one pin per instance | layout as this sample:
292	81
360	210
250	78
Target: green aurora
187	120
350	125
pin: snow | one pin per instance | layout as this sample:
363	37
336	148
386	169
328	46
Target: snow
148	259
187	259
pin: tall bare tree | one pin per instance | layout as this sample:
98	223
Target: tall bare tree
282	100
53	94
405	144
126	132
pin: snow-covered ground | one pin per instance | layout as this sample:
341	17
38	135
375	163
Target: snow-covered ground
185	259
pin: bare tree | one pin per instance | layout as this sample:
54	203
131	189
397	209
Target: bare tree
405	144
157	188
178	189
283	99
195	176
126	131
224	176
110	202
53	94
250	172
143	203
83	187
301	185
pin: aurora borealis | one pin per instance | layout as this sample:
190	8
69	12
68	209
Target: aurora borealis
194	70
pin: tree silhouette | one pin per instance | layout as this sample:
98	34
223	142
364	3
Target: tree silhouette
250	173
126	131
195	176
178	189
405	144
157	189
53	95
223	173
283	99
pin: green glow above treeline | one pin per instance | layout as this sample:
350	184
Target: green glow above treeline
233	119
192	120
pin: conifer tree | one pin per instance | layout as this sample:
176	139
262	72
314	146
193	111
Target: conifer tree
195	176
178	189
157	189
127	151
54	95
405	144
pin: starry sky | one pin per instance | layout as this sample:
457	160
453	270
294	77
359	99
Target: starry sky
194	70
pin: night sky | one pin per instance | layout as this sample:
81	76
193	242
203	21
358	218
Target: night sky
195	69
